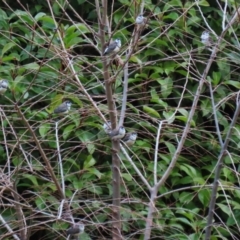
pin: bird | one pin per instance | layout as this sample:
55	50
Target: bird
63	108
130	138
107	127
140	20
3	85
113	47
206	39
76	229
117	133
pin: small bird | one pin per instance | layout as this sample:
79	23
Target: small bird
117	133
107	127
140	20
76	229
130	138
3	85
113	47
63	108
206	39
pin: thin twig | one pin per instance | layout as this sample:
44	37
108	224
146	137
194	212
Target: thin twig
215	114
224	15
218	171
142	7
60	209
229	206
125	91
204	19
59	158
156	152
20	215
5	144
15	236
135	168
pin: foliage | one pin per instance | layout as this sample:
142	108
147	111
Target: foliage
164	73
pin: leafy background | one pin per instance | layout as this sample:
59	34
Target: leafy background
164	73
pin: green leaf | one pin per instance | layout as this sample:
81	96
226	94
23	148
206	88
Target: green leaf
87	138
171	4
40	203
156	99
73	41
206	106
133	108
10	57
127	176
32	178
47	22
31	66
95	172
7	47
171	148
166	86
183	112
225	208
43	129
203	3
39	15
190	171
89	162
184	197
16	81
135	59
56	101
216	78
73	162
79	27
75	117
96	189
169	116
23	16
169	66
204	196
117	16
67	130
236	84
152	112
173	16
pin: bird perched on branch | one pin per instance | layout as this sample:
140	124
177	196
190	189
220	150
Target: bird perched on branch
117	133
206	39
140	20
113	47
107	127
130	138
76	229
63	108
3	85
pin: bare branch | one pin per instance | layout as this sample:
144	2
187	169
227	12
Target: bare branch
156	152
59	158
136	168
217	172
9	228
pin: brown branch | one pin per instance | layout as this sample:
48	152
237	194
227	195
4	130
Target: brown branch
116	225
21	218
